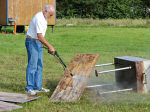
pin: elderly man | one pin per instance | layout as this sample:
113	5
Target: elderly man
35	39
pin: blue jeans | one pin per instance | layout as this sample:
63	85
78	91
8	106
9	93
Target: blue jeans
35	64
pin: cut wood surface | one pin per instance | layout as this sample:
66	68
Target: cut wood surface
15	97
71	88
8	106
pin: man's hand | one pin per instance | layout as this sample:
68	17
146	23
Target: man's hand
52	50
44	41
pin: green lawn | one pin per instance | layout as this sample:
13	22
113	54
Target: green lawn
109	42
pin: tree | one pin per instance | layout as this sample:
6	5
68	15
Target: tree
103	8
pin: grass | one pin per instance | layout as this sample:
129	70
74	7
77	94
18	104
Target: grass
109	42
103	22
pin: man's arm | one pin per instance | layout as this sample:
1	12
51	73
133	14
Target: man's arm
44	41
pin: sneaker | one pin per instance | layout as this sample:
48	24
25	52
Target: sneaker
31	92
42	90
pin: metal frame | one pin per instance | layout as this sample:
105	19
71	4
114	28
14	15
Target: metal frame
114	70
101	85
104	64
115	91
107	71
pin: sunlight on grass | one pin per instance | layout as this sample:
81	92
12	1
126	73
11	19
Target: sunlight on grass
109	42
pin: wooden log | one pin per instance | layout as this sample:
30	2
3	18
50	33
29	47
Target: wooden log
71	88
139	76
8	106
15	97
143	76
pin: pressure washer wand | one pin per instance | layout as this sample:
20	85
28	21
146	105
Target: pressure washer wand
60	60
